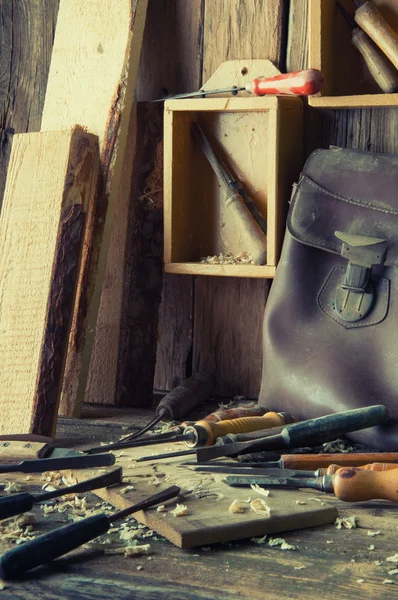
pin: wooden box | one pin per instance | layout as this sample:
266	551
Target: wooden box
348	83
260	139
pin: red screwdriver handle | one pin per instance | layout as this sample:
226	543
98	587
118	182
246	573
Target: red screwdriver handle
298	83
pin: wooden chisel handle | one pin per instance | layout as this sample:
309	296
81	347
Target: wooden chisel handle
369	18
352	484
232	413
243	425
315	461
332	469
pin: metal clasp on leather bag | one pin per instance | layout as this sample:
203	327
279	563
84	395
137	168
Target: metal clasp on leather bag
356	295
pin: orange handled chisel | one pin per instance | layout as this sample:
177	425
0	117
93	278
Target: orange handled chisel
299	83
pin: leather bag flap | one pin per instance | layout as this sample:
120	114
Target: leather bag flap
350	191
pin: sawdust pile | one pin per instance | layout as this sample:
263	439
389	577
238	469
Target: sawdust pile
228	259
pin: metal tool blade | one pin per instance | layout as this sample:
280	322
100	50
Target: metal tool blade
203	93
241	470
94	483
167	455
82	461
289	482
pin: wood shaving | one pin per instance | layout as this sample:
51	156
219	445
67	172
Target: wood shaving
299	568
260	507
393	558
336	446
237	506
378	563
161	509
134	534
373	533
228	259
393	572
256	488
300	502
388	581
28	478
134	550
3	585
360	581
154	481
15	531
346	522
282	543
126	489
11	486
329	541
316	500
121	454
259	540
55	477
26	519
48	487
180	511
371	547
139	568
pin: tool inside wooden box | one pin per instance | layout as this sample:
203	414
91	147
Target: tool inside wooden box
350	60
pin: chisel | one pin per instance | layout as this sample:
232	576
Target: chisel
49	546
82	461
242	469
350	484
214	417
298	83
205	433
370	19
15	504
312	432
381	69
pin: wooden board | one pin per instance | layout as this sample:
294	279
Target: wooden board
208	499
27	32
52	180
91	82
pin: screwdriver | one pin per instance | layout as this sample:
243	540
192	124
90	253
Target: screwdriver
214	417
51	545
350	484
381	69
180	401
20	503
205	433
298	83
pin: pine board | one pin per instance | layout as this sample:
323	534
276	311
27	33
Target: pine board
91	82
209	520
51	182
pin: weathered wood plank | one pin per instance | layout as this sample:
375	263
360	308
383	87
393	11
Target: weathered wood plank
232	345
26	33
91	82
52	180
171	62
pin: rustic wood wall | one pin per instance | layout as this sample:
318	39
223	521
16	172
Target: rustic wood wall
174	324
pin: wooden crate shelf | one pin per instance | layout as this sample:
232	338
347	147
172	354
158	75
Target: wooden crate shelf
348	83
260	139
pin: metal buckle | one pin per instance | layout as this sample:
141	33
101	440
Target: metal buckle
356	295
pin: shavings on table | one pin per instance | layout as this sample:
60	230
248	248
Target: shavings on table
256	488
259	506
259	540
132	550
10	487
346	522
336	446
180	510
282	543
393	558
373	533
237	506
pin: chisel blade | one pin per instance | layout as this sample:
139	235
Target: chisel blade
84	461
240	470
282	482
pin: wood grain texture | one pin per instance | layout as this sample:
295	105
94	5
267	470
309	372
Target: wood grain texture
51	182
252	29
297	41
171	62
243	29
26	33
227	325
208	520
94	64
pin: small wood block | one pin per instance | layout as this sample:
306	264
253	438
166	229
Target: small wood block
348	82
51	182
209	520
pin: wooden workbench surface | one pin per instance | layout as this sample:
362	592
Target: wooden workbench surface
328	562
